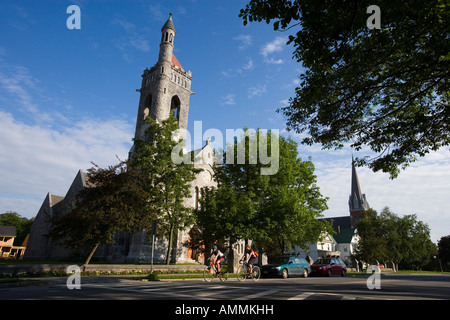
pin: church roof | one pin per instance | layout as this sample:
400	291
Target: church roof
357	200
169	24
342	222
176	63
344	235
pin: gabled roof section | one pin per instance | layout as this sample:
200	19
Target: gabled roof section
344	235
176	63
80	182
203	155
342	222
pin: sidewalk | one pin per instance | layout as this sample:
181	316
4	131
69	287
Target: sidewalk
41	268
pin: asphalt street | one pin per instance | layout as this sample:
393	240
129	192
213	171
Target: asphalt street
391	287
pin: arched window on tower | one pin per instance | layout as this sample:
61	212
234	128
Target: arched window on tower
175	105
170	38
167	35
147	107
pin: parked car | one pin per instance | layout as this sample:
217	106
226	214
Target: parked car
286	266
329	266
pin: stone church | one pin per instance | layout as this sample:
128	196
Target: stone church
345	240
166	88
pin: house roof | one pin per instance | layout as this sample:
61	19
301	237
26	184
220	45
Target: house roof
342	222
345	235
8	231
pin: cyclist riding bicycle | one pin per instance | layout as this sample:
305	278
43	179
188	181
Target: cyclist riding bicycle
219	257
252	257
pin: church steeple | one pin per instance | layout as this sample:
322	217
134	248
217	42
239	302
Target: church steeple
167	39
357	201
165	88
169	24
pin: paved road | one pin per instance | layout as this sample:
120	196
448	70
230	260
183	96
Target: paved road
393	287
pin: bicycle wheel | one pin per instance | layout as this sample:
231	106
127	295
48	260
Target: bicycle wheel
241	273
207	275
256	273
223	275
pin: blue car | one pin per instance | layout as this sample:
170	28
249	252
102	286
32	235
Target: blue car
286	267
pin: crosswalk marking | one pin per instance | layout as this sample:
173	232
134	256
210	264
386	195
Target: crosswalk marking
256	295
211	292
301	296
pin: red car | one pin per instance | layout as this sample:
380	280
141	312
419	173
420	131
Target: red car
329	266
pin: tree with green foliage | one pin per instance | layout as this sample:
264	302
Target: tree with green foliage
276	211
372	245
111	202
22	224
386	89
218	219
166	184
387	237
444	251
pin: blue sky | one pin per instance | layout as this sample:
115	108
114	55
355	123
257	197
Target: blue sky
68	97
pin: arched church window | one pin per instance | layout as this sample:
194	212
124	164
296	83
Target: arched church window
170	38
167	35
147	106
175	105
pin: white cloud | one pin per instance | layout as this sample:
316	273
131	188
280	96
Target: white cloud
131	40
422	189
16	80
229	99
249	65
35	160
272	47
257	91
238	71
246	41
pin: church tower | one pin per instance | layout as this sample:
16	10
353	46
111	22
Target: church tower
357	201
165	88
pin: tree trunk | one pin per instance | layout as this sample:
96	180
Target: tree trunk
169	245
91	253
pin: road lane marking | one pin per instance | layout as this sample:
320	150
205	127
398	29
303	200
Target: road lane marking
256	295
302	296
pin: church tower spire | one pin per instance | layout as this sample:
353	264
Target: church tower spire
166	87
167	40
357	201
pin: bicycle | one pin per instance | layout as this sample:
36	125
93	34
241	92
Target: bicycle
244	272
211	272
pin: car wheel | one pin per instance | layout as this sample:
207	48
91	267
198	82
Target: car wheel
305	273
343	273
329	272
285	273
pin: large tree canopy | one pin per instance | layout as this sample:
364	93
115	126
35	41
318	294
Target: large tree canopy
277	211
387	236
386	89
